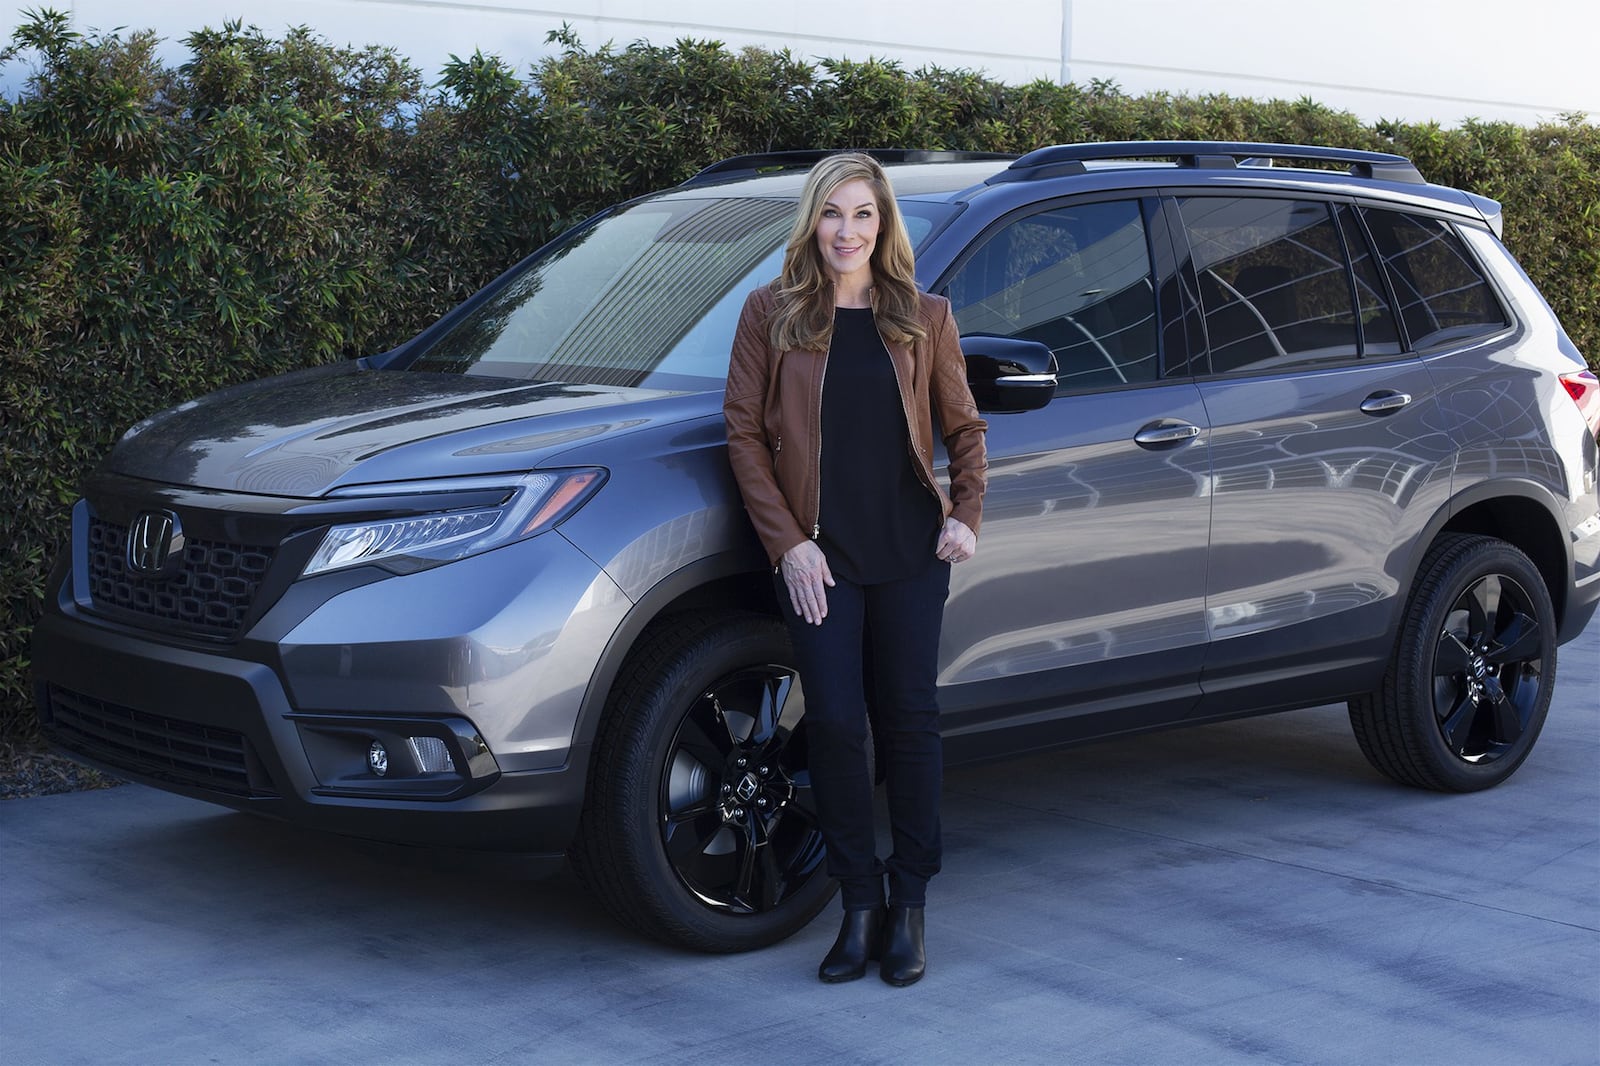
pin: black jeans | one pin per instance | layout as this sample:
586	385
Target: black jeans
895	625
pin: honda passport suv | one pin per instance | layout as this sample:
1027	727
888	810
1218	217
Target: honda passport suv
1270	426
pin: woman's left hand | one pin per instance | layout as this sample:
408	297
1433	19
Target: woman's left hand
957	543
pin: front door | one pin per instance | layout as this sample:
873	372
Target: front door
1087	594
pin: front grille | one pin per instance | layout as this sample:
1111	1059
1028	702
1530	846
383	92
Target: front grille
209	594
184	753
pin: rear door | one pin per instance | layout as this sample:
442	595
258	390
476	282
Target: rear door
1326	448
1087	594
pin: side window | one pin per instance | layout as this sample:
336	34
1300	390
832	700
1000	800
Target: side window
1076	279
1274	285
1441	290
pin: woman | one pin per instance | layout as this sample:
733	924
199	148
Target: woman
837	367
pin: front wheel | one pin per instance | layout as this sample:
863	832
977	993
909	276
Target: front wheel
699	827
1470	681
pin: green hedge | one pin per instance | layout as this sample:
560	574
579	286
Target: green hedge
274	203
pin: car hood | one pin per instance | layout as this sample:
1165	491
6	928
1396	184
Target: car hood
307	433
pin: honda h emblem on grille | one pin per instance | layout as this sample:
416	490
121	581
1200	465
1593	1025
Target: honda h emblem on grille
155	543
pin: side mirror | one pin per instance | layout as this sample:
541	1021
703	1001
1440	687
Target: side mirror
1007	375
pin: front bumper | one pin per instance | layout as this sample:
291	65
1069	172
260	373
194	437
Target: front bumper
486	658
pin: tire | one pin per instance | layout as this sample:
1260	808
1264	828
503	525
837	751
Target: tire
1469	683
699	828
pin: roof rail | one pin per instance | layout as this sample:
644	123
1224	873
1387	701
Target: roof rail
744	165
1063	159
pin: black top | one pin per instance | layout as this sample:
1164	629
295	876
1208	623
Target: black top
879	521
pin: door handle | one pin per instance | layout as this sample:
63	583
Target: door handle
1381	403
1165	432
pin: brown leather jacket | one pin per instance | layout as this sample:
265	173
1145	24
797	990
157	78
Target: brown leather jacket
773	409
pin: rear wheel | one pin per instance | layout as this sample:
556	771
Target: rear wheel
1469	685
699	828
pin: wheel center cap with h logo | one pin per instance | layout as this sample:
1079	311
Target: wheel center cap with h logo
155	544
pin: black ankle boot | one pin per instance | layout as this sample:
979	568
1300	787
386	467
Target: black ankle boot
905	959
858	941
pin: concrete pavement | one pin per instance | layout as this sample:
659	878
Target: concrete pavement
1245	892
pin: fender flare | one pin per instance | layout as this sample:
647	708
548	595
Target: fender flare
681	582
1486	492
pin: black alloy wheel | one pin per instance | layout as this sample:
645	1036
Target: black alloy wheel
1488	670
1469	684
698	825
737	818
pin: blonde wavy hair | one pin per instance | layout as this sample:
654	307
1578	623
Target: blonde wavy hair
803	318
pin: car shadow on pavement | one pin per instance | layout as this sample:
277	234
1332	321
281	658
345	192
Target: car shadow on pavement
224	870
221	867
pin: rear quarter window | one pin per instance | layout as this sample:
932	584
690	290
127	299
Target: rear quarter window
1443	294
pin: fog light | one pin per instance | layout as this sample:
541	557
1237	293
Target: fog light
378	758
433	757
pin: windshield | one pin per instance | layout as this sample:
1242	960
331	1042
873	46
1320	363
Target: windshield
648	296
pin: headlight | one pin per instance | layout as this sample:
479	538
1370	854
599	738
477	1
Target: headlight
532	504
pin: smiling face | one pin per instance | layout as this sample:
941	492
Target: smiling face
847	233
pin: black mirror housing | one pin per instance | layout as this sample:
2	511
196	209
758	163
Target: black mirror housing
1008	375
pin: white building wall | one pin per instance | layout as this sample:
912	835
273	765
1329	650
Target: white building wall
1415	60
1407	59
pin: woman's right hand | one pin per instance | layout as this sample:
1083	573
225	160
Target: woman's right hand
805	572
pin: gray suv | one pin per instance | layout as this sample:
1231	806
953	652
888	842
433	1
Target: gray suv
1262	436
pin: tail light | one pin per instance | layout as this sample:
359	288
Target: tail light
1584	388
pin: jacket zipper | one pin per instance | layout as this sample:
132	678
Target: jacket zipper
816	507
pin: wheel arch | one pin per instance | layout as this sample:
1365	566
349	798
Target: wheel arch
1525	516
718	582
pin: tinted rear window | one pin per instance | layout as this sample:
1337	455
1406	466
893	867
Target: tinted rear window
1273	280
1443	294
